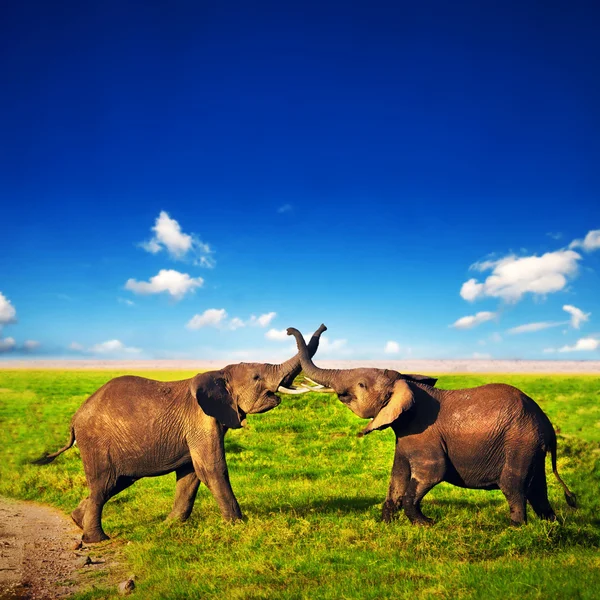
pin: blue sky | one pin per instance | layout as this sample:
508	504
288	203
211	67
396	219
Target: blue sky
422	177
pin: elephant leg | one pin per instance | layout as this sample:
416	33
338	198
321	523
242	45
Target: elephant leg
185	493
513	487
77	514
411	502
537	493
100	492
211	469
398	485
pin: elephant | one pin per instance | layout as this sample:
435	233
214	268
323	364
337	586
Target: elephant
488	437
133	427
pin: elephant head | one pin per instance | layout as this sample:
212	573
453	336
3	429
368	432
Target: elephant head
233	392
378	394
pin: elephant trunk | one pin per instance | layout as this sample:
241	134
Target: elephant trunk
288	371
326	377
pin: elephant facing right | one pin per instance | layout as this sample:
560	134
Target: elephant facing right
489	437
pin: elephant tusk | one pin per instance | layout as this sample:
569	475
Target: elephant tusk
285	390
316	386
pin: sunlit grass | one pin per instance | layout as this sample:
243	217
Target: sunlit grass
312	491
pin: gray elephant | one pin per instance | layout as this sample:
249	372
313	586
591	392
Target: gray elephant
134	427
489	437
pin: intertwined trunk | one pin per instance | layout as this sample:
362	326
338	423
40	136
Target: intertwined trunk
326	377
285	373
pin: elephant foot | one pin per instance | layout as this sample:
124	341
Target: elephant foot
173	516
422	521
94	537
389	511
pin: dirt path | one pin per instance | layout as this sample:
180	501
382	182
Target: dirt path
39	553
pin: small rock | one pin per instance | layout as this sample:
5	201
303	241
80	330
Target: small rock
126	587
84	561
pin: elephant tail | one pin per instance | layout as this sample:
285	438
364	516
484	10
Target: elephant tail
569	495
48	458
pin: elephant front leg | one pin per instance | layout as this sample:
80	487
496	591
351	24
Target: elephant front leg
398	485
185	493
214	474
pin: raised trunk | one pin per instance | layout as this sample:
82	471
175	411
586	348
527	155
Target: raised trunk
327	377
286	372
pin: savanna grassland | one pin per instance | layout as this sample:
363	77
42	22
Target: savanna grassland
312	492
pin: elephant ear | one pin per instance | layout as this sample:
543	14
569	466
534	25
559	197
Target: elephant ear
401	400
214	398
425	379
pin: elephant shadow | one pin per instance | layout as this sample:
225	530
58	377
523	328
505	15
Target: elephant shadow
339	505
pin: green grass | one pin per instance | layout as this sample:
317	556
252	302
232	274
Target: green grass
312	493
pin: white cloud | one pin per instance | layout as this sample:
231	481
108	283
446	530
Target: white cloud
473	320
7	344
582	345
168	236
495	337
263	320
513	276
277	335
481	355
173	282
211	317
326	346
76	346
531	327
284	208
589	243
113	347
8	313
30	345
577	316
236	323
392	347
126	301
217	317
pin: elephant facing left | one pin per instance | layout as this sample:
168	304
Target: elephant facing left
133	427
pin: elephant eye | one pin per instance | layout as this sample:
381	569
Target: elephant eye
256	377
362	385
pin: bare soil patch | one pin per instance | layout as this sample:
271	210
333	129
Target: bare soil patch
41	556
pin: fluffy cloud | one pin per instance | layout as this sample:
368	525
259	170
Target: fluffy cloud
582	345
217	317
7	344
392	347
277	335
327	346
8	313
173	282
179	245
211	317
284	208
76	346
31	345
473	320
531	327
589	243
577	316
513	276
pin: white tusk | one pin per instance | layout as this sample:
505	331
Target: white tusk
317	386
285	390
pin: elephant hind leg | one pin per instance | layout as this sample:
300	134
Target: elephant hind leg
412	501
79	512
101	490
185	493
537	493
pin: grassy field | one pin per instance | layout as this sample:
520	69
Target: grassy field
312	491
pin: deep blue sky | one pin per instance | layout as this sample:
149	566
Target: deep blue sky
347	164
